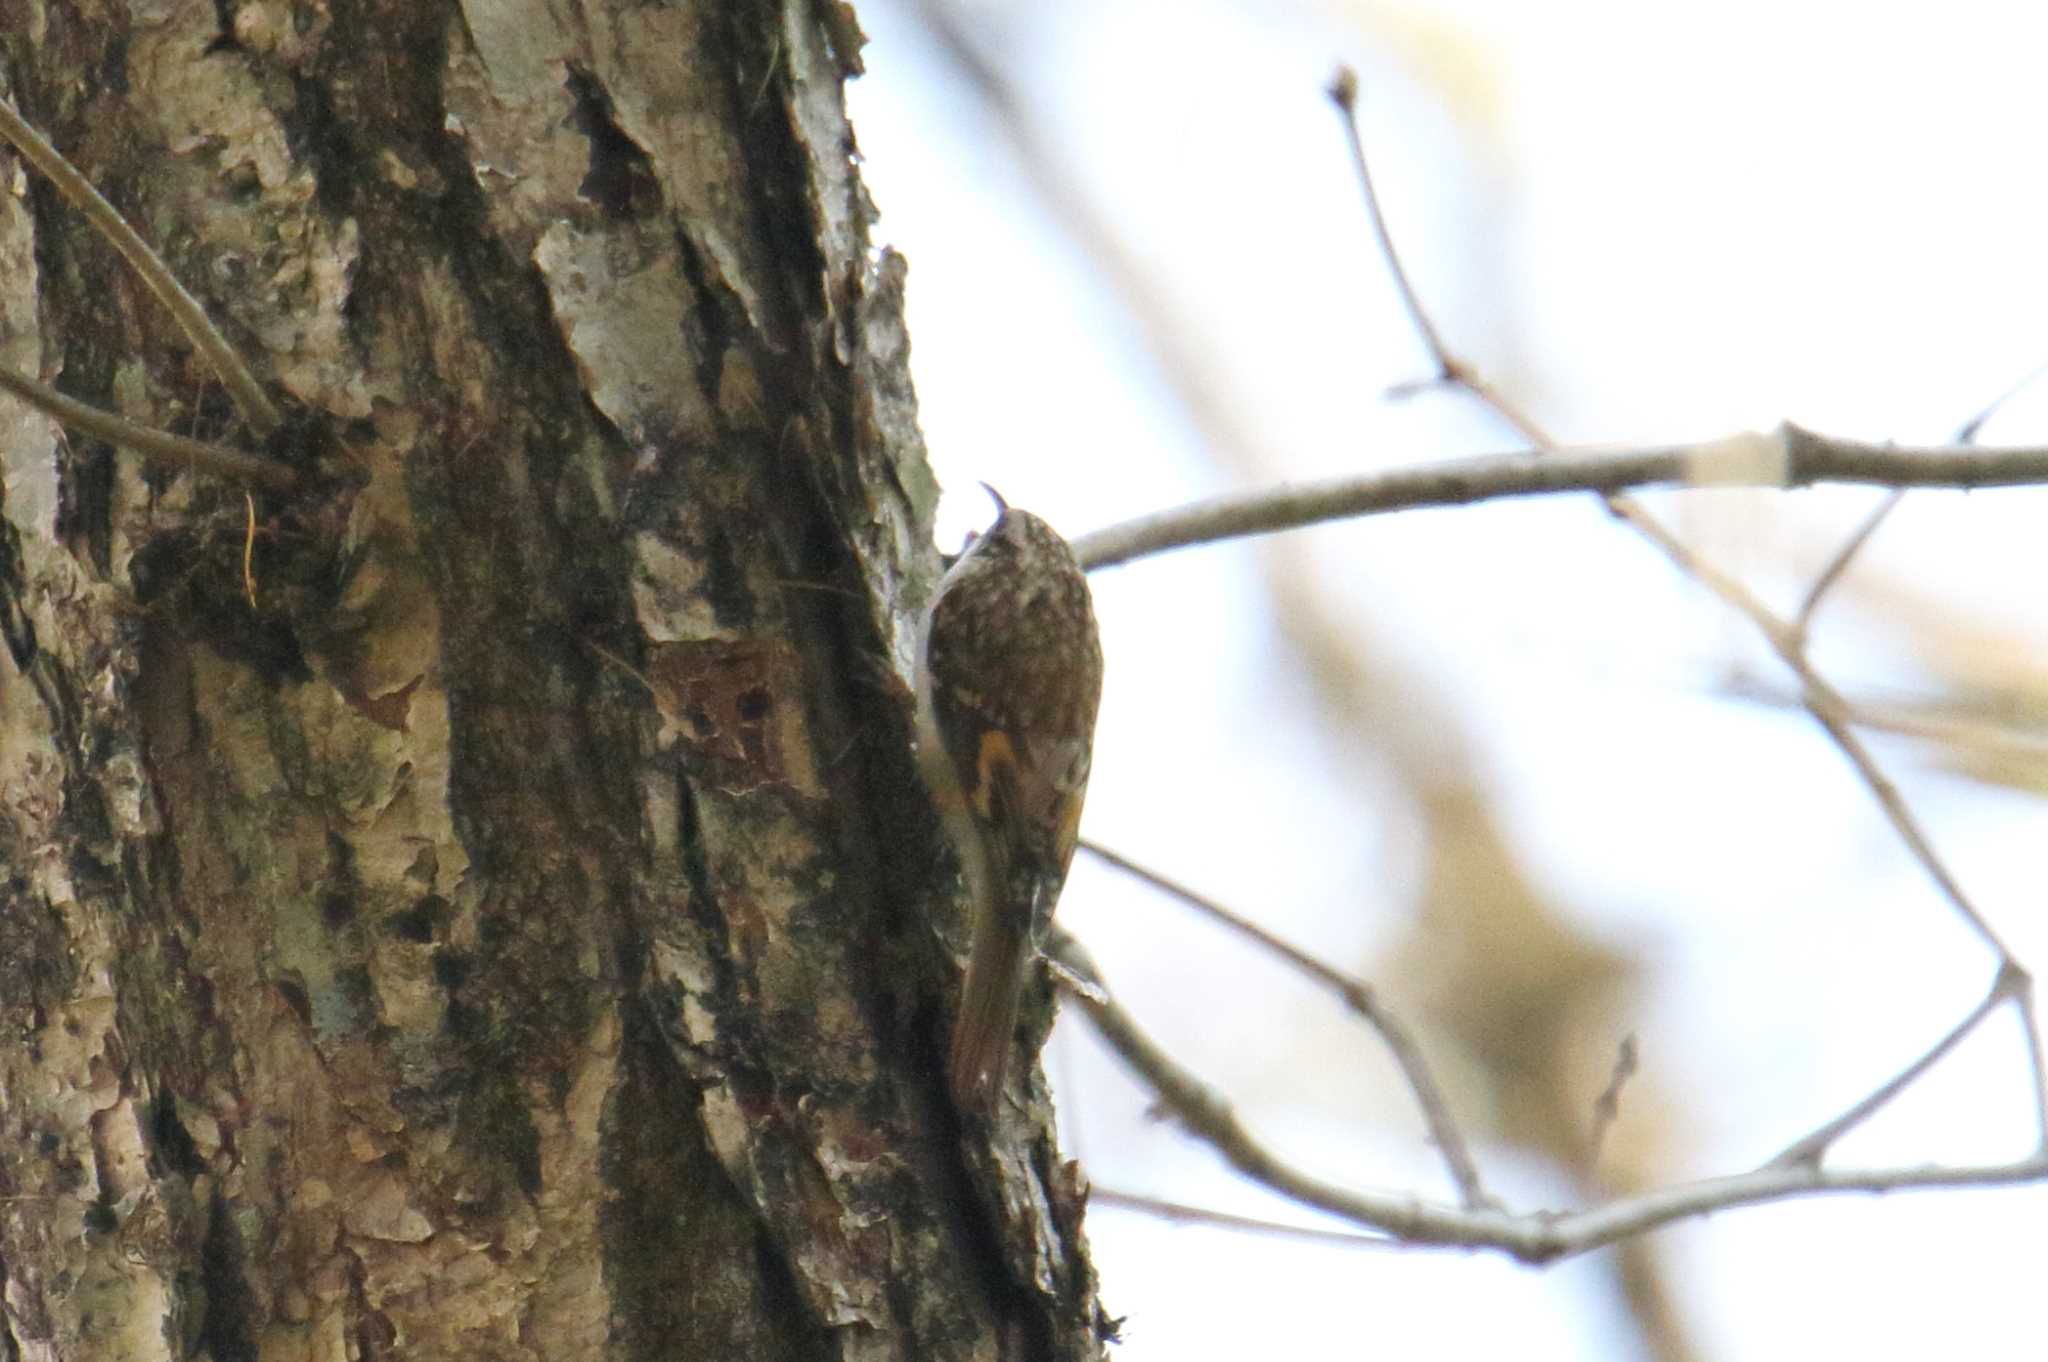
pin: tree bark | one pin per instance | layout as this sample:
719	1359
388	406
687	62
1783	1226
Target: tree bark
480	904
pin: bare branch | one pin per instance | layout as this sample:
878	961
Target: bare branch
172	450
1361	998
250	399
1788	457
1535	1237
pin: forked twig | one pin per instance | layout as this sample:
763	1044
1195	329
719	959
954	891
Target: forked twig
1835	716
1360	997
1809	1148
1534	1237
1832	573
1787	640
160	446
250	399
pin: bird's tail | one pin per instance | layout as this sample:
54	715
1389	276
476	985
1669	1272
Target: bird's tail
982	1036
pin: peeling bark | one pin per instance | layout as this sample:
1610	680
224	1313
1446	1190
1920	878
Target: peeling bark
482	906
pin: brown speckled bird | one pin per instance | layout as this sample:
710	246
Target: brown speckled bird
1008	685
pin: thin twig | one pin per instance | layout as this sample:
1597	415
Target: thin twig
1180	1213
1360	997
255	406
2023	994
1967	434
1343	91
1996	740
175	451
1811	1147
1832	573
1835	716
1788	457
1607	1106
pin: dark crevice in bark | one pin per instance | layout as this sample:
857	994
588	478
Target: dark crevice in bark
112	71
321	141
493	1124
749	35
374	1332
422	923
175	1152
621	180
10	1344
224	39
784	1303
231	1307
191	578
688	1269
15	625
34	961
712	319
690	848
341	886
972	1200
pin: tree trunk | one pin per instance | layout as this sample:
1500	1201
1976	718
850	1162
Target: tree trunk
480	904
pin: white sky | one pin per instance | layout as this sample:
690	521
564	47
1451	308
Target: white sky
1649	222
